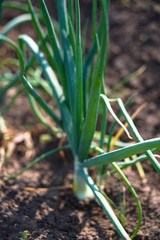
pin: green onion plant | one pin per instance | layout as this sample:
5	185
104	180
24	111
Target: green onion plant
75	82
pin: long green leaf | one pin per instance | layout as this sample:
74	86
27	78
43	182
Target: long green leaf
40	101
52	35
66	118
138	137
55	46
18	6
68	54
48	72
114	124
103	123
91	53
118	170
27	85
108	105
15	79
123	153
88	65
92	111
39	115
72	38
71	10
15	22
79	83
104	203
41	34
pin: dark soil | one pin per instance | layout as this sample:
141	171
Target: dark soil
41	200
